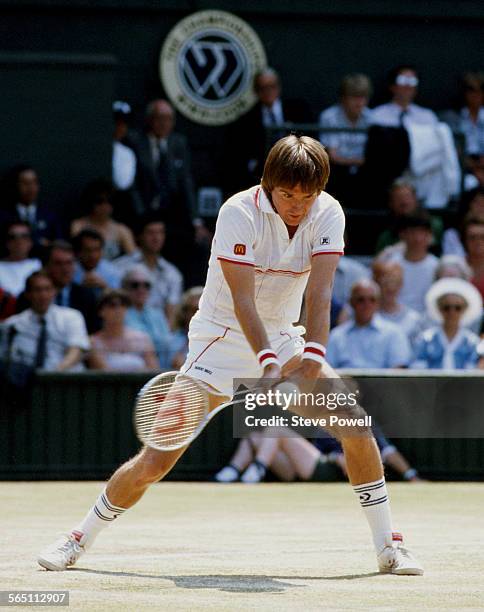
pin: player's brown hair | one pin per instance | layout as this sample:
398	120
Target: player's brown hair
296	160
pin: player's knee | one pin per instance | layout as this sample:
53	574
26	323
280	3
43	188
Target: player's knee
150	466
351	424
358	445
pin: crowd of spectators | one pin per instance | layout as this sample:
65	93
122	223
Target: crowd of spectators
105	288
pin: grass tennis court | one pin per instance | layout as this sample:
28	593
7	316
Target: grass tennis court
234	547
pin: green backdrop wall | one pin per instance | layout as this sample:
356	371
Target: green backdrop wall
312	43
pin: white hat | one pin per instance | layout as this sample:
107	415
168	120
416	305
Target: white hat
454	286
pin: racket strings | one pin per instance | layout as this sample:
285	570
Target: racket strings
170	410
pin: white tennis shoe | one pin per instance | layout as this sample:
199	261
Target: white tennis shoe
62	554
395	559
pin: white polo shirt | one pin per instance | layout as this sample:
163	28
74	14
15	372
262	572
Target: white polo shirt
65	328
251	233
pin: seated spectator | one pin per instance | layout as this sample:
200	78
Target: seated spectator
469	120
116	347
124	159
295	458
449	345
347	150
17	266
367	341
472	205
453	266
167	280
185	311
402	200
7	304
21	195
473	241
60	266
417	263
389	277
403	83
97	201
348	272
92	270
46	336
137	282
433	164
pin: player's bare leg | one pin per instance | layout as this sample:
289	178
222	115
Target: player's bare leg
365	472
125	487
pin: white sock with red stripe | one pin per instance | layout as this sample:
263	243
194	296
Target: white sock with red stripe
374	500
100	516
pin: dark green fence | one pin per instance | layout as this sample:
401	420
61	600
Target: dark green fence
80	427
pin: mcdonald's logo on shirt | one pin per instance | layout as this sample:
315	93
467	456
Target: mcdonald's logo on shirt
239	249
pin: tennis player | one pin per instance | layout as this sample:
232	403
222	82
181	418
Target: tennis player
272	243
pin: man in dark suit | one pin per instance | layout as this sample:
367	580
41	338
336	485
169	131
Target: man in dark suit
164	177
60	266
253	134
21	188
164	182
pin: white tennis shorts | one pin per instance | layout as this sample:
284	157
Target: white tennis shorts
217	355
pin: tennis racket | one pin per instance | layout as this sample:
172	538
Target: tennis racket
172	409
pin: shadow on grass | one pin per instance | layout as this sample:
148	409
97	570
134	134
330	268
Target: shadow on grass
235	584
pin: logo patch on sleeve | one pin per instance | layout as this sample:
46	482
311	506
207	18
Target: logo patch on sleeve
325	240
240	249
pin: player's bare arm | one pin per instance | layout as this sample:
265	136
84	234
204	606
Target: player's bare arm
318	305
240	280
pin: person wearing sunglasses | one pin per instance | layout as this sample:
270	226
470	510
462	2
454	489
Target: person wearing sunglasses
449	345
116	347
401	110
138	284
367	340
17	265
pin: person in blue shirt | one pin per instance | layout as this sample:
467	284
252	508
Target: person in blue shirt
137	282
367	340
452	302
92	270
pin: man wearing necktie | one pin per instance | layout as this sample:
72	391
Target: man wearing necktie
164	183
46	336
256	131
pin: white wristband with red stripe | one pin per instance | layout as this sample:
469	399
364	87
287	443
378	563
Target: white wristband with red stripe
266	357
314	351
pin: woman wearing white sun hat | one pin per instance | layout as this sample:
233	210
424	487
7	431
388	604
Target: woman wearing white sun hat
452	303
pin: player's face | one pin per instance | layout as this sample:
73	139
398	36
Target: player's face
292	203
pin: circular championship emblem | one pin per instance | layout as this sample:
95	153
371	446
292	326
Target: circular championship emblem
207	65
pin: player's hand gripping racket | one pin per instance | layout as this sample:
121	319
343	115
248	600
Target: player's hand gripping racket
172	409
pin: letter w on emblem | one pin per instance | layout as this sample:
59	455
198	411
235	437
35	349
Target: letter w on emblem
205	53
